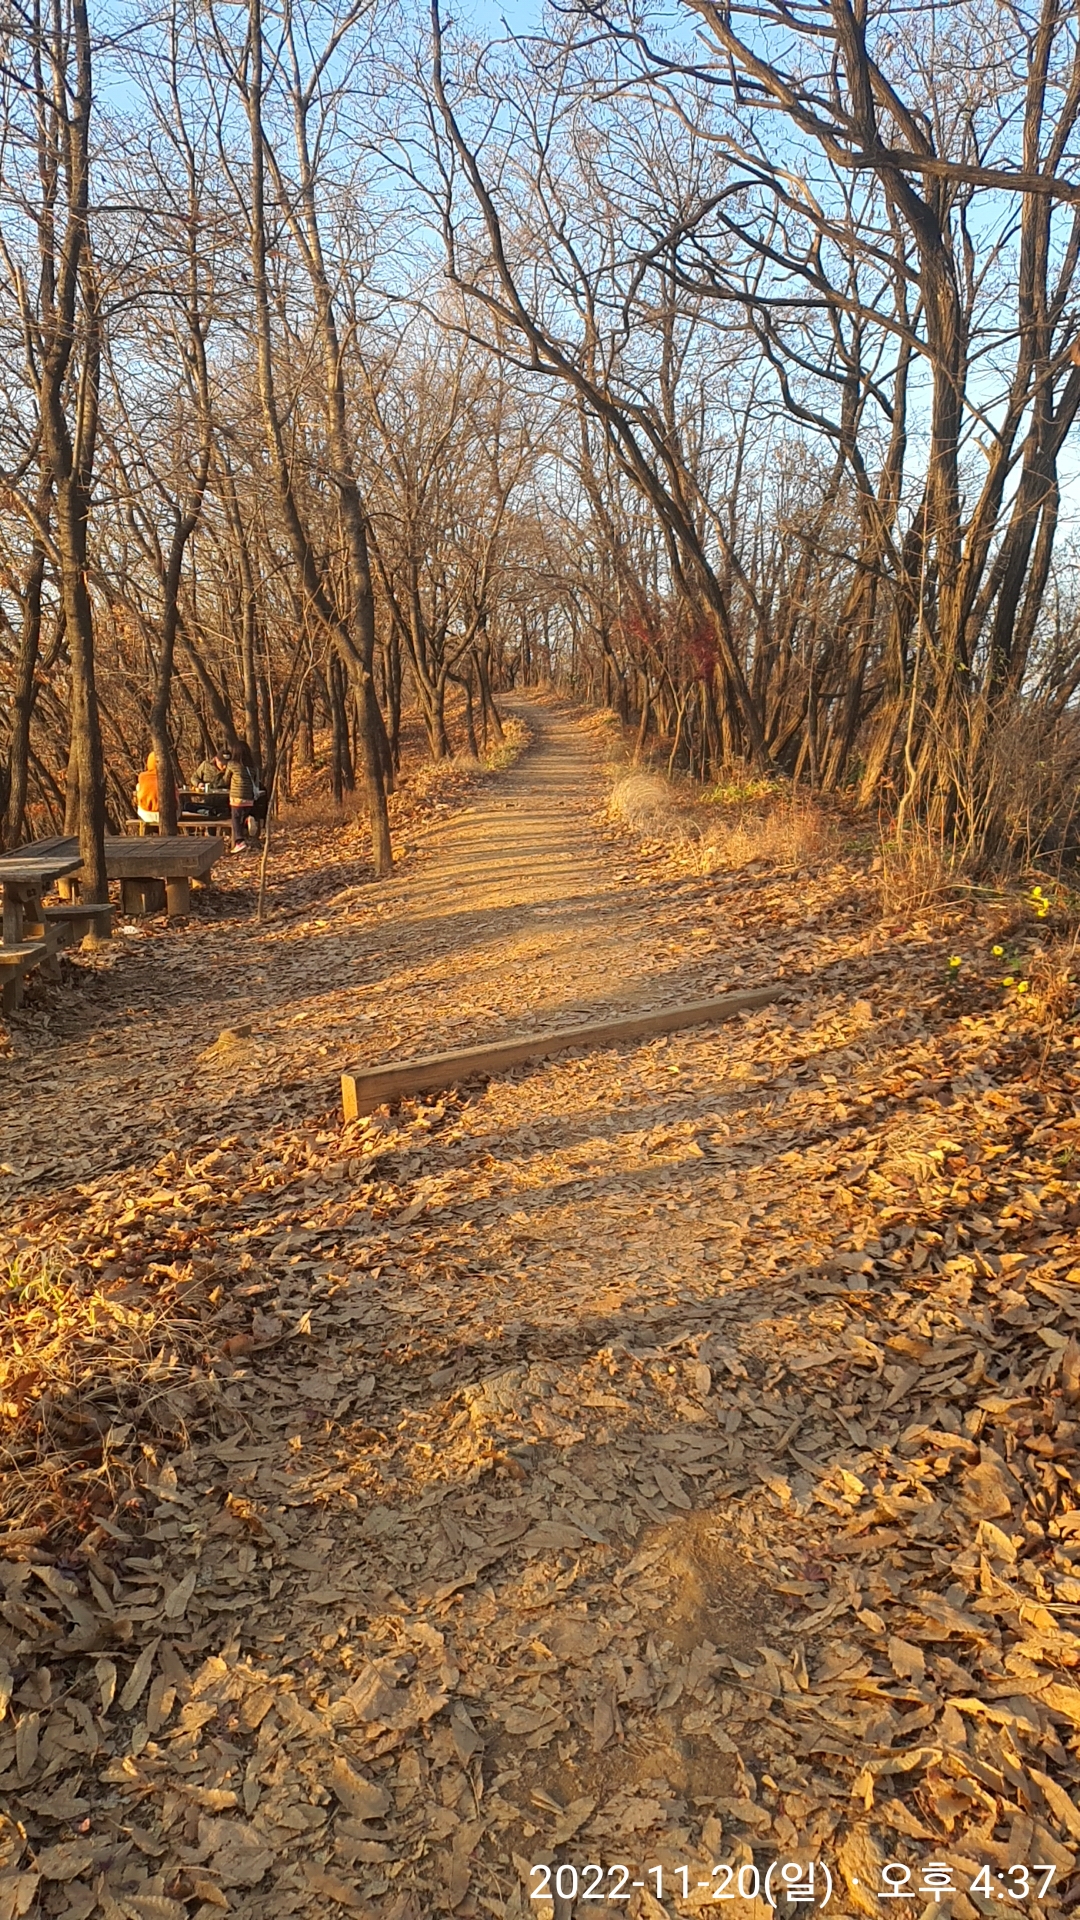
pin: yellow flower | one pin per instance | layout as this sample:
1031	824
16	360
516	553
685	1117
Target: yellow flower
956	961
997	952
1008	981
1021	986
1036	893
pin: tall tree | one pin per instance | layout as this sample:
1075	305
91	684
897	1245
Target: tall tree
58	300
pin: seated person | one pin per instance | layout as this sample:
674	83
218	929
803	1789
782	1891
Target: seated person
211	775
146	793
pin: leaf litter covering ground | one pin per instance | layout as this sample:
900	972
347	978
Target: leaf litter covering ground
662	1456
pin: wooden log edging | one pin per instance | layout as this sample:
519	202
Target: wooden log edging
365	1088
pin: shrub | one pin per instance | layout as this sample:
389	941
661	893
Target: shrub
792	833
649	805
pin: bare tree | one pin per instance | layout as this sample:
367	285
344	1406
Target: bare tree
450	444
351	629
56	294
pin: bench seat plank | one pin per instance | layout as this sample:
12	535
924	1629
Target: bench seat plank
25	955
15	961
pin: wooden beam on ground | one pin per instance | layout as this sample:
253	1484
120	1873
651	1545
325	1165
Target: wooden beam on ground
365	1088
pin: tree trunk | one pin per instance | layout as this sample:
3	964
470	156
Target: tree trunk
71	789
342	777
483	675
354	640
392	659
22	703
470	725
159	711
382	740
70	463
306	753
85	718
248	637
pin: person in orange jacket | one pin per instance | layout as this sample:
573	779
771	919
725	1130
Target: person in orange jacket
146	792
147	798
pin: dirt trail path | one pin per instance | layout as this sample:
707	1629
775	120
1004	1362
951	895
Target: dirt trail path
560	1483
516	906
509	910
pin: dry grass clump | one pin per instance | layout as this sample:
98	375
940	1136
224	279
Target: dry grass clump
90	1383
1016	783
1053	989
649	805
788	833
916	874
734	826
502	753
744	786
601	721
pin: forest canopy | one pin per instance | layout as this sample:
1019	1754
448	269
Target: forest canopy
717	362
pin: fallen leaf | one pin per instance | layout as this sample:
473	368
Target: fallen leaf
860	1858
327	1886
238	1854
18	1891
138	1677
572	1820
66	1860
155	1906
175	1603
105	1670
908	1662
989	1490
357	1795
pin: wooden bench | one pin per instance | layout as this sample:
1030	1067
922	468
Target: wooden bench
193	823
15	963
27	938
75	919
197	824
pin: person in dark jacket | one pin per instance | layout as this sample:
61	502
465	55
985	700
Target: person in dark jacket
241	794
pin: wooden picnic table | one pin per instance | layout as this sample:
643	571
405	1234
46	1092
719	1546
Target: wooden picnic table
201	810
157	872
153	874
29	935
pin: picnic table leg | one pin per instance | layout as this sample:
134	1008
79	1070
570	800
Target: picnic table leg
36	927
141	897
13	918
178	895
